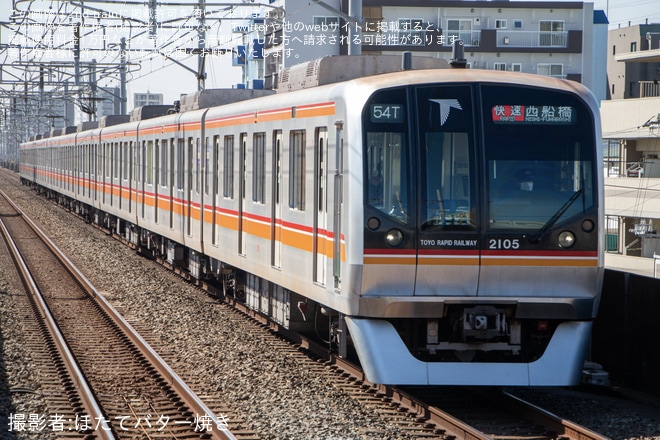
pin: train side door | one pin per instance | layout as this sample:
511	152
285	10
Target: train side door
448	244
143	176
172	182
276	214
321	205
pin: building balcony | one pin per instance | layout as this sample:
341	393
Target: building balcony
485	40
532	39
649	89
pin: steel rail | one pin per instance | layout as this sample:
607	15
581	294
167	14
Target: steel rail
89	402
194	403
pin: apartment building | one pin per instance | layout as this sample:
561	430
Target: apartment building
148	98
631	133
560	39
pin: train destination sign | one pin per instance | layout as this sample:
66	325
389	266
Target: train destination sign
534	114
390	113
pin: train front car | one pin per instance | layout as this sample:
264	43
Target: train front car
482	216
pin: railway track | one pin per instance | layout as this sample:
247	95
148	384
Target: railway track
107	381
418	411
436	412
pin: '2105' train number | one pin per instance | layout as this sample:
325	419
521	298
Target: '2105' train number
504	243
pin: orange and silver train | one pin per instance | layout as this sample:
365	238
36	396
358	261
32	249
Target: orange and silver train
445	225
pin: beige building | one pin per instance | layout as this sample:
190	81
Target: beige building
553	38
142	99
631	69
631	133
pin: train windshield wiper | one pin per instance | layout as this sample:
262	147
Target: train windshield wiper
541	232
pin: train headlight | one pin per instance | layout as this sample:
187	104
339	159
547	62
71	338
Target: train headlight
394	237
566	239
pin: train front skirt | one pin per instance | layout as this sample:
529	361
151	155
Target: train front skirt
386	360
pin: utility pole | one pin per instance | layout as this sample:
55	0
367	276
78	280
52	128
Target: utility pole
92	83
122	76
76	53
355	30
201	45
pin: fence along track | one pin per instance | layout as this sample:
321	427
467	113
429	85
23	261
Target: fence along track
182	400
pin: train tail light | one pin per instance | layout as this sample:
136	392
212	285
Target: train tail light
542	326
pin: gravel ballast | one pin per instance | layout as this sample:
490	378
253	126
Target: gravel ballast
278	396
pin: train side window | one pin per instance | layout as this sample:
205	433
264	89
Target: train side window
242	163
163	163
108	158
115	166
216	164
133	158
259	168
84	160
207	165
180	153
297	170
198	164
156	162
171	169
149	163
228	168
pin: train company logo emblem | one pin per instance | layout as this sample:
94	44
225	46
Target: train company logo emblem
445	107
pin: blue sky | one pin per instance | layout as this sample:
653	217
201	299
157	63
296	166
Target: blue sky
636	11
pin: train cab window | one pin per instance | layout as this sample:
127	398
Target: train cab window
386	154
539	157
447	158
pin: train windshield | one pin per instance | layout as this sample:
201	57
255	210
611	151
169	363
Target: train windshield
539	157
387	156
536	168
446	144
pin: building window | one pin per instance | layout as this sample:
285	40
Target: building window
326	23
547	69
552	33
633	46
517	24
460	29
411	32
501	24
614	49
499	66
516	67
